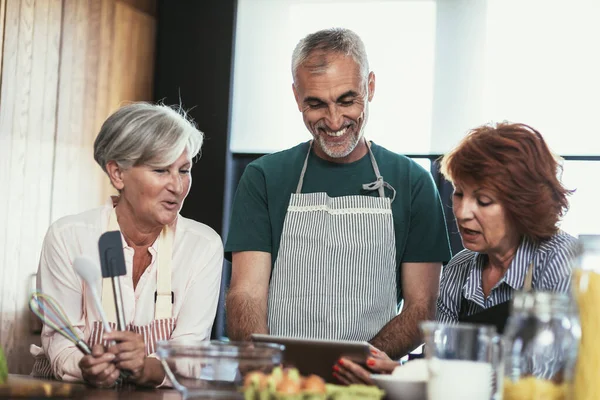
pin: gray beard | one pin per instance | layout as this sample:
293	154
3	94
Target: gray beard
337	154
354	140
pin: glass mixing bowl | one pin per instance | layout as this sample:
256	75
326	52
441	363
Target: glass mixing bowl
215	369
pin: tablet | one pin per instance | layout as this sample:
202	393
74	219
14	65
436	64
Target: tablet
315	356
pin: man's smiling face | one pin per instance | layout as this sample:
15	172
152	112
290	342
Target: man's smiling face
334	105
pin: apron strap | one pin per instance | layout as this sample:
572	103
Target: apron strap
301	181
164	296
378	184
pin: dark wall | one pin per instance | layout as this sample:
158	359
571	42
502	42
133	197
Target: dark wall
194	59
194	65
446	190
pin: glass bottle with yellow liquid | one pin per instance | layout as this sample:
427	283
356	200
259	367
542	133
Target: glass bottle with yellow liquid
586	289
540	347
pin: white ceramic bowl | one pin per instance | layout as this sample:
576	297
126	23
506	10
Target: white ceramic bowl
401	389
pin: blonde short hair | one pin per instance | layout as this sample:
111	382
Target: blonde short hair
146	134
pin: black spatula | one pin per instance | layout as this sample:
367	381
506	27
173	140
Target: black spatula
112	262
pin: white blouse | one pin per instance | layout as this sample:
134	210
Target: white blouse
197	261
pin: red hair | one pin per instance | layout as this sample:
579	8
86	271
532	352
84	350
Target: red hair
514	162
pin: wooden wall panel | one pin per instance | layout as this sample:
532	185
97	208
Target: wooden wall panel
133	54
27	125
145	55
85	84
148	7
108	59
77	189
132	58
2	16
7	138
66	64
105	44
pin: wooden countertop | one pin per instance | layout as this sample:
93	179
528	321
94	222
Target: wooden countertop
25	386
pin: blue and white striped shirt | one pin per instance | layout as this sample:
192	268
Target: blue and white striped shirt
462	277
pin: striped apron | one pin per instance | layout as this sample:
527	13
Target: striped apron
335	273
160	328
163	324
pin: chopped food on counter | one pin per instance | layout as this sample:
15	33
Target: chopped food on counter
288	384
363	392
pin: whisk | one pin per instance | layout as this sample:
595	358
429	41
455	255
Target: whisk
52	314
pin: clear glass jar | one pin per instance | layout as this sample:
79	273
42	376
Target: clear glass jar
586	290
540	347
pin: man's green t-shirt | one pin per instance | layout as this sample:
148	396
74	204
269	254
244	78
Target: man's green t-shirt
264	191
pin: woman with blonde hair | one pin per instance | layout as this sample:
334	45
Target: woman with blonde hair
147	151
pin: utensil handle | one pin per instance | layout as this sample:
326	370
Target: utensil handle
121	326
81	345
124	374
85	349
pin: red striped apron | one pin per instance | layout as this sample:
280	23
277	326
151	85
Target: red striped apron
163	324
159	329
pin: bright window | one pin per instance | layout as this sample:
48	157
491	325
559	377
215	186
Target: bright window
399	37
424	162
442	68
542	67
583	216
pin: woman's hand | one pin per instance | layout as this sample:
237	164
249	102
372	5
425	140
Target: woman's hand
349	372
380	363
129	353
98	368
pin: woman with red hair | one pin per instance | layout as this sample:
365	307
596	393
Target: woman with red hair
507	201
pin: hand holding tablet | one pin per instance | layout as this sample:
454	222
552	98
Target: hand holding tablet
315	356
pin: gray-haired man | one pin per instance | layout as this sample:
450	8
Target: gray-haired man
322	245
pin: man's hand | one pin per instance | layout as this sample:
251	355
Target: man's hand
129	353
98	368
